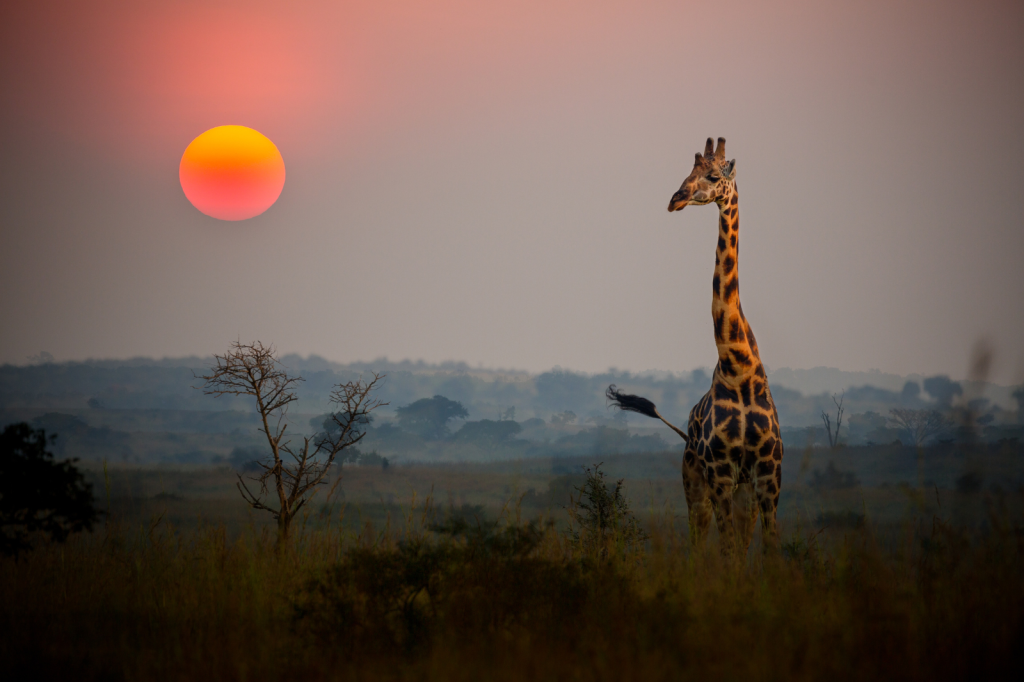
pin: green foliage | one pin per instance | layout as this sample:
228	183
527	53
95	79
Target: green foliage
331	422
470	582
429	417
602	523
372	459
487	433
38	496
473	600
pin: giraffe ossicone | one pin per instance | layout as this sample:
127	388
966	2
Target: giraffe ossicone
732	465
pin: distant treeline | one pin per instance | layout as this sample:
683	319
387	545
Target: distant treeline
499	414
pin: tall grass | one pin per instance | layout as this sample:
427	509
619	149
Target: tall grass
436	595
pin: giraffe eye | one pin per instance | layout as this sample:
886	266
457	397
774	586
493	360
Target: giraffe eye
713	178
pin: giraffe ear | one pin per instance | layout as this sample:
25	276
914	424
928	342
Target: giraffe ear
729	169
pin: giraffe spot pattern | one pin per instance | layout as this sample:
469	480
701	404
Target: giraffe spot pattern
716	448
736	332
723	392
730	289
737	441
734	429
745	393
724	413
740	357
749	459
757	425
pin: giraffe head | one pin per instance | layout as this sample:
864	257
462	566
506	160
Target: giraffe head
710	180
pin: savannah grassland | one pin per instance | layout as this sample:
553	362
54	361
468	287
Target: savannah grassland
467	571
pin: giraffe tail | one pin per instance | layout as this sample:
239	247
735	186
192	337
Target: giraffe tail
640	405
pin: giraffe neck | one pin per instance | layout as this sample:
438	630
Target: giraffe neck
737	349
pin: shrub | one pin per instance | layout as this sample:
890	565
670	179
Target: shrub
470	582
601	520
38	496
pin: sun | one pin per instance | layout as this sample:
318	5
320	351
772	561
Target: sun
232	173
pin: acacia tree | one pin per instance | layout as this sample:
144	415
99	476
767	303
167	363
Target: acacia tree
429	417
920	424
295	471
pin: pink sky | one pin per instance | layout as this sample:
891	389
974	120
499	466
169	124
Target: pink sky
487	181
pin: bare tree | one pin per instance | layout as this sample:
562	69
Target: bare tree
254	369
833	441
919	424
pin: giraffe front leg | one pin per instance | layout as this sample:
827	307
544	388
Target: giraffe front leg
722	499
745	505
698	506
769	485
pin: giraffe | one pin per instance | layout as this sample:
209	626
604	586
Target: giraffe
732	464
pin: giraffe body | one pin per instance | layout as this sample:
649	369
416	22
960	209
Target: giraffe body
732	465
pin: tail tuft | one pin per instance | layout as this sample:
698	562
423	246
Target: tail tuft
631	403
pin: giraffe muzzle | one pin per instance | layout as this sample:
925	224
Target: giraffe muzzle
678	202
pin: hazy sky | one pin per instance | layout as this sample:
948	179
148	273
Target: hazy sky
487	181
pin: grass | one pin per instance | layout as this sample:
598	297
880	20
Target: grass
464	590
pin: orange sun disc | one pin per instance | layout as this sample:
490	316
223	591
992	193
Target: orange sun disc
232	173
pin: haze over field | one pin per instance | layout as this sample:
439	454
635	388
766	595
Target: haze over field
487	182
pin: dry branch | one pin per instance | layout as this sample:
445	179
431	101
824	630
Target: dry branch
919	424
833	440
254	369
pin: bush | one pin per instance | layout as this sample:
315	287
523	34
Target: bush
601	520
479	601
473	582
38	496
